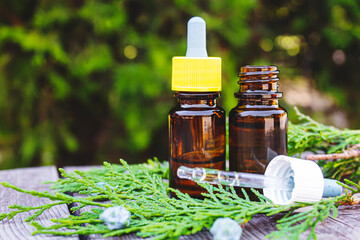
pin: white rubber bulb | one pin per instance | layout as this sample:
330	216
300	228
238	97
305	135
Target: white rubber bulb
196	38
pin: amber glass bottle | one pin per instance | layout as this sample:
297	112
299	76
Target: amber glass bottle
257	125
197	137
196	123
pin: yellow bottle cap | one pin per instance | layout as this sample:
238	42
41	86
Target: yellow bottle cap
196	72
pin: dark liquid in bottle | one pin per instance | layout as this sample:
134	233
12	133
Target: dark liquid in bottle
197	138
190	187
255	141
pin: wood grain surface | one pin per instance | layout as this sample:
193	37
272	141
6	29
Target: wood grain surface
345	226
28	178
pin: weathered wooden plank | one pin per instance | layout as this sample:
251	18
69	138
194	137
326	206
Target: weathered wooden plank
28	178
345	226
260	226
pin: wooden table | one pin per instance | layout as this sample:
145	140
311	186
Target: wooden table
345	226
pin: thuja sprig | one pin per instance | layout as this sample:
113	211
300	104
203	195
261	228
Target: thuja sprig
310	135
58	198
155	214
100	175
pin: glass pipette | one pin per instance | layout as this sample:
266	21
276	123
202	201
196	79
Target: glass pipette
252	180
236	179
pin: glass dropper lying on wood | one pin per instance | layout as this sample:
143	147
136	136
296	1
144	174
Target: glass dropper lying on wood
236	179
286	180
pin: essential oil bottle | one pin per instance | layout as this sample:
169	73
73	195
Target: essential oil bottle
196	123
257	125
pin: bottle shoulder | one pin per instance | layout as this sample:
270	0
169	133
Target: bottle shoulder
257	112
179	110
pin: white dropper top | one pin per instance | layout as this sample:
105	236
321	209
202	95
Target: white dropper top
196	38
196	72
286	180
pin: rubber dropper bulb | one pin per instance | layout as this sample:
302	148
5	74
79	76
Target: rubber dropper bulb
196	38
331	188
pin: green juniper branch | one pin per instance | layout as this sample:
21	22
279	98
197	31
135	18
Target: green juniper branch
310	135
155	214
140	189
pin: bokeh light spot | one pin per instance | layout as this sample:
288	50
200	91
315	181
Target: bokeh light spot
266	44
339	57
130	52
290	43
282	12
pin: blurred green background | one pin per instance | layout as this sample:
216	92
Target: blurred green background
82	82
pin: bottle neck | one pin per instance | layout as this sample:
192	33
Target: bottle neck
258	86
193	99
258	103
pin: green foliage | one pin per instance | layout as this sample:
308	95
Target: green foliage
292	225
141	189
314	136
68	89
91	79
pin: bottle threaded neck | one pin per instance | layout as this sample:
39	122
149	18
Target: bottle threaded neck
258	82
190	99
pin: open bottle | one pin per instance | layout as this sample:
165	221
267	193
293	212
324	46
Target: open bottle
258	124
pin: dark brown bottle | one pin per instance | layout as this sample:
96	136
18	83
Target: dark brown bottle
196	123
197	137
257	125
